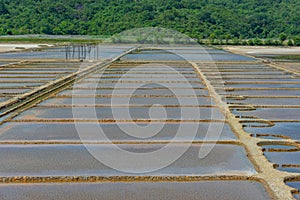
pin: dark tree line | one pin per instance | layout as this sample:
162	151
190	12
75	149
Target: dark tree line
221	19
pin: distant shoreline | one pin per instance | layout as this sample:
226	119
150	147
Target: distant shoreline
14	47
262	50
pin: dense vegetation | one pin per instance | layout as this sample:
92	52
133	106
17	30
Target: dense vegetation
213	19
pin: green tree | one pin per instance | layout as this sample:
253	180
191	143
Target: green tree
297	41
250	42
258	42
227	38
226	19
235	41
268	42
290	42
277	43
212	38
3	8
282	37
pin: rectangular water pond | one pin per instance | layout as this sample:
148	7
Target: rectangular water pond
141	82
2	85
145	132
290	130
72	160
273	113
245	76
246	72
237	69
4	63
280	85
142	78
51	65
134	113
269	92
264	80
183	101
208	190
267	101
13	91
187	56
34	70
285	158
11	79
243	66
27	75
139	73
2	99
149	68
55	53
148	75
137	85
142	91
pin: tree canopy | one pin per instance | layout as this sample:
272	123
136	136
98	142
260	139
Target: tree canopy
224	19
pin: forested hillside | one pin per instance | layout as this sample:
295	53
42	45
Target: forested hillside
197	18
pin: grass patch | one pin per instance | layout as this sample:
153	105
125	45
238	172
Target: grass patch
286	57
